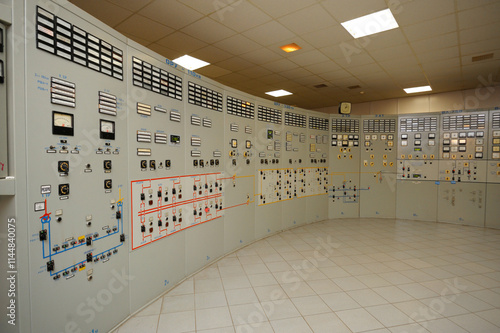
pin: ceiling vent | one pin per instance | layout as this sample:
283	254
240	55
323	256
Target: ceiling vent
354	87
482	57
322	85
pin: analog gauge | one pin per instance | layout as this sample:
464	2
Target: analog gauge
107	129
62	123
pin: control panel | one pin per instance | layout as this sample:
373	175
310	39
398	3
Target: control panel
205	125
462	168
417	166
418	147
317	178
240	151
162	207
77	167
378	166
3	105
269	176
156	117
345	145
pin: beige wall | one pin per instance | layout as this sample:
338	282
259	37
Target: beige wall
480	98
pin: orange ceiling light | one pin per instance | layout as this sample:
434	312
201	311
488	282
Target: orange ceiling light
290	47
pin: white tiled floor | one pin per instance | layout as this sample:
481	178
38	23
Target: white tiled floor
342	276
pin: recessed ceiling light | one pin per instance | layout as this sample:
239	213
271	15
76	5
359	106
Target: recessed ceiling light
290	47
371	24
190	63
279	93
417	89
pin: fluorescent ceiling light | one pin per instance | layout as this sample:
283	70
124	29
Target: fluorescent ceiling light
371	24
190	62
290	47
279	93
417	89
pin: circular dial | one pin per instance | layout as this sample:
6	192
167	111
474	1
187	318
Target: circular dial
107	127
63	120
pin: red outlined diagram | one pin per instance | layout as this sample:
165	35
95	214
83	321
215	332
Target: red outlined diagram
161	207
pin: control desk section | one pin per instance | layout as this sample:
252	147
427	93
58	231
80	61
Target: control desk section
345	146
205	126
418	147
3	104
76	169
464	144
494	150
156	118
378	166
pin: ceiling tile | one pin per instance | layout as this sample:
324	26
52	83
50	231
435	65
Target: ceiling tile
480	47
171	13
234	64
261	56
181	42
307	20
211	54
207	7
344	10
139	40
335	75
133	5
312	80
493	63
255	72
237	44
143	27
307	58
382	40
231	78
355	60
435	43
108	13
208	30
330	36
269	33
278	8
165	51
272	79
468	4
295	73
431	28
437	55
326	66
280	65
391	52
212	71
240	16
480	33
361	71
479	16
423	10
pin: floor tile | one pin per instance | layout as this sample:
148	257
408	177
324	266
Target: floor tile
359	320
473	323
247	314
326	323
280	309
366	297
241	296
310	305
146	324
178	303
213	318
292	325
210	300
152	309
340	301
389	315
177	322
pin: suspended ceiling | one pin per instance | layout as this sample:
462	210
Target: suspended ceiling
435	44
